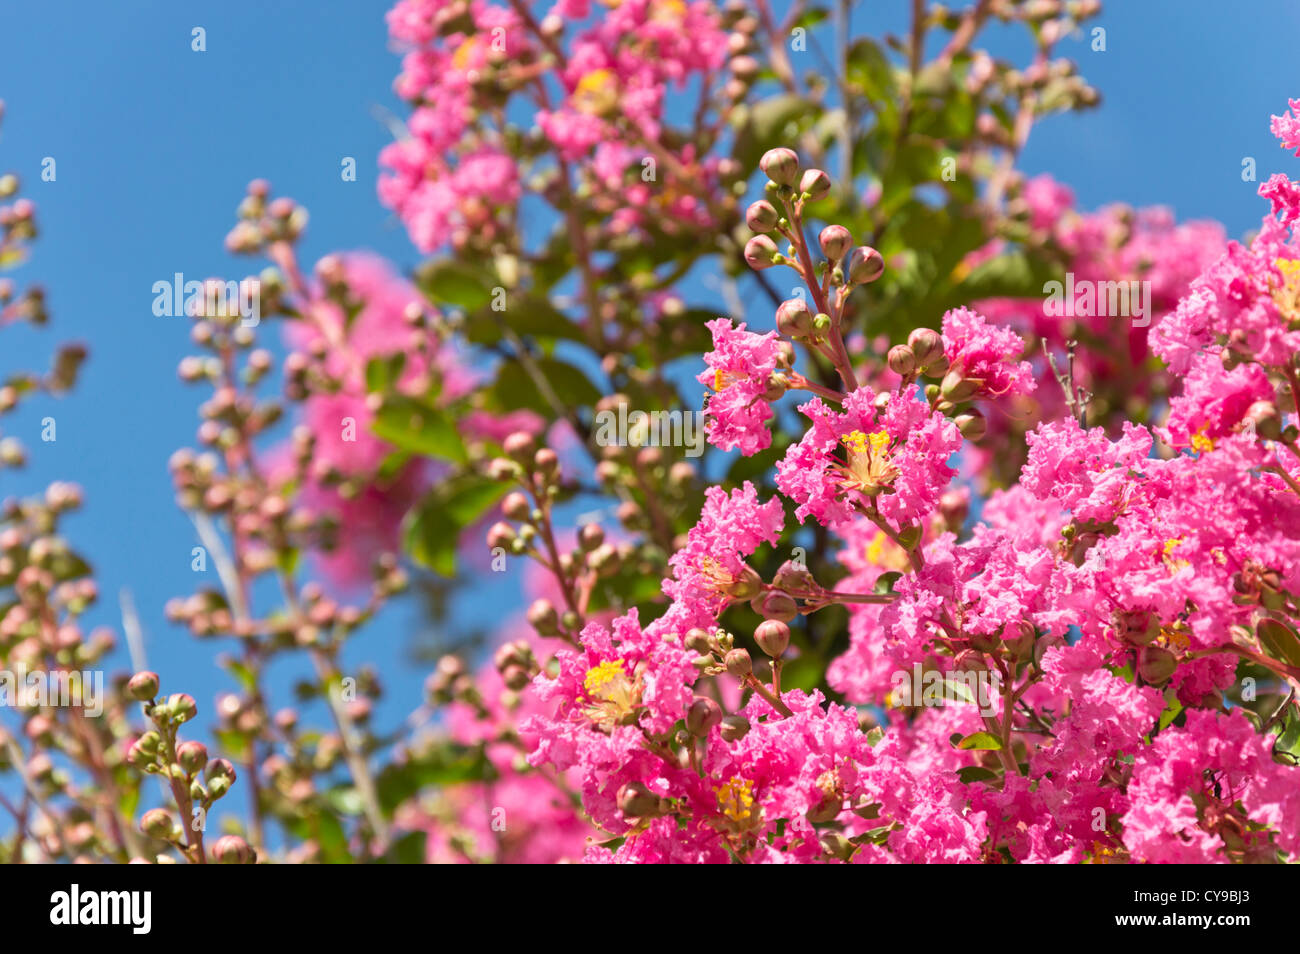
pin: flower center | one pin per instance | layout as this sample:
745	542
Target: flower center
868	467
736	799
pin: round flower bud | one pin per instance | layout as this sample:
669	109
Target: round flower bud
780	165
143	686
698	641
774	604
773	637
815	183
591	536
1156	664
835	241
192	756
794	318
762	216
519	446
972	424
182	706
739	664
516	506
795	578
220	768
865	265
233	850
702	716
760	252
637	801
734	728
543	617
927	345
901	360
157	823
1138	627
1268	423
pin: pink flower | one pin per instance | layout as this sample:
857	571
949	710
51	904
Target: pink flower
740	367
985	354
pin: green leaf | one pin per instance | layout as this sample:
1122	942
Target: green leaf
981	742
383	371
410	849
413	426
976	773
1172	709
451	283
763	126
885	582
441	764
1279	640
514	388
432	528
533	316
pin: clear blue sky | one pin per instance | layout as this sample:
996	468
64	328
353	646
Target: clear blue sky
154	144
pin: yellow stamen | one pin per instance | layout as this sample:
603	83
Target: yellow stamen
1287	295
868	468
736	799
599	677
1201	443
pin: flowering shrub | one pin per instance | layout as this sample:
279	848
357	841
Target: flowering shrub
1011	578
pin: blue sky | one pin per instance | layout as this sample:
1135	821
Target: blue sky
154	144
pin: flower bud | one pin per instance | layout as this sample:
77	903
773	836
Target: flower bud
734	728
543	617
835	241
773	637
182	706
815	183
774	604
143	686
157	823
192	756
220	768
233	850
698	641
1268	423
901	360
637	801
794	578
927	345
762	216
500	534
760	252
702	716
865	265
972	424
739	664
519	446
955	388
794	318
1156	664
1138	627
516	506
780	165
